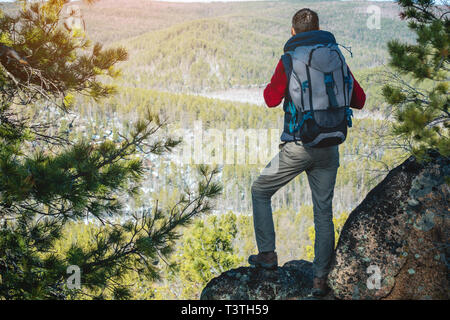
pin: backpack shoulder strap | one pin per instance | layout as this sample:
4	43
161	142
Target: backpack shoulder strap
286	59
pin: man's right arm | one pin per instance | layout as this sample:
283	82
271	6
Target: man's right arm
276	89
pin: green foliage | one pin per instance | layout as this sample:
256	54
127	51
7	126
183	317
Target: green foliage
207	250
51	53
48	181
422	103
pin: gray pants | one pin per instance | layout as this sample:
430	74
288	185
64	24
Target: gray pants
321	165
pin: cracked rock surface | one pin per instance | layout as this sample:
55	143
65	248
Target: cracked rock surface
292	280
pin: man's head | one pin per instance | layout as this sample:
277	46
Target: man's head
304	20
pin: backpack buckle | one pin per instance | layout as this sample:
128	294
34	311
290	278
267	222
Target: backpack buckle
329	79
329	85
349	82
305	85
349	114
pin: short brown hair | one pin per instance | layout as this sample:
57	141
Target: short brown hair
305	20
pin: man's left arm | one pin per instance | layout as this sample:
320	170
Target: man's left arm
358	96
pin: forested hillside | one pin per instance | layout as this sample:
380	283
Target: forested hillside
220	47
242	47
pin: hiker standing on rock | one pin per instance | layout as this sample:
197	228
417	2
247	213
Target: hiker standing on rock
318	90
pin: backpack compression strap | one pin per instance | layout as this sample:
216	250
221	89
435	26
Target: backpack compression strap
293	127
329	84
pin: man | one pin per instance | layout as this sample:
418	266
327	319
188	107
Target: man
318	89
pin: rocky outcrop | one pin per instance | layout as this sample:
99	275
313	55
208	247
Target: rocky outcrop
394	245
291	281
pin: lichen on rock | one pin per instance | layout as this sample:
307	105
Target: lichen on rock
291	281
402	224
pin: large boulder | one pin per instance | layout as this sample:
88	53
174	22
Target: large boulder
395	244
291	281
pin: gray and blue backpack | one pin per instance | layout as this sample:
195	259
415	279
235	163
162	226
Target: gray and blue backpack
317	103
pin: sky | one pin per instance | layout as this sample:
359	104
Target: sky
440	1
201	0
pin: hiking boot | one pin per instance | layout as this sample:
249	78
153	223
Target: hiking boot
266	260
320	287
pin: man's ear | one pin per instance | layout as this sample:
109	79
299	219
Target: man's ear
293	31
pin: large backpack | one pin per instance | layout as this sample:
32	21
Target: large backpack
319	92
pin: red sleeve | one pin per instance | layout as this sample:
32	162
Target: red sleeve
358	95
275	90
